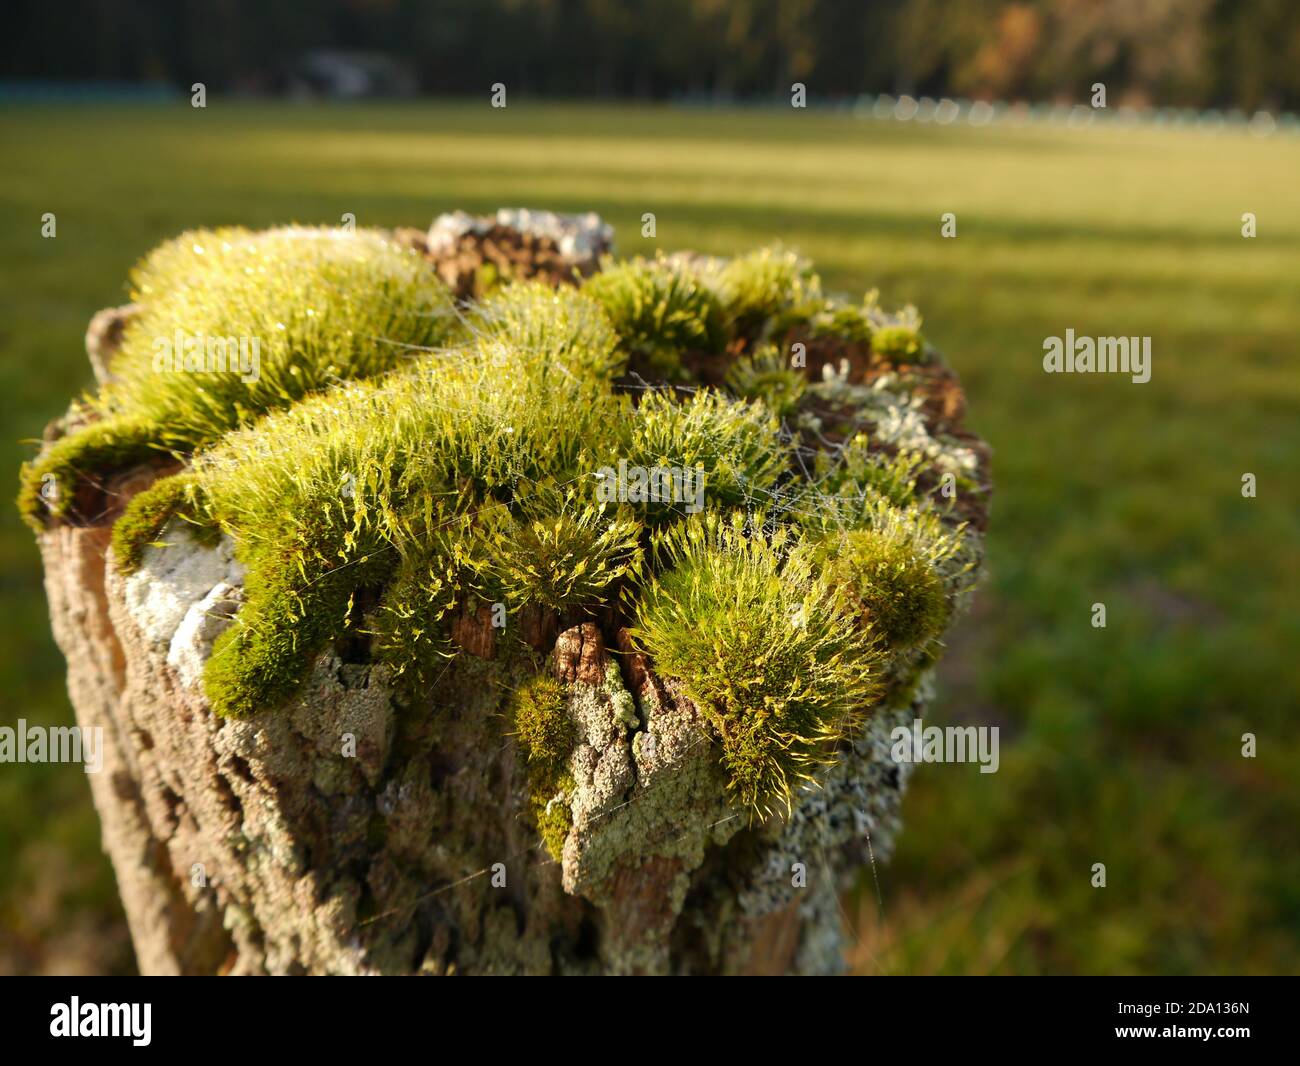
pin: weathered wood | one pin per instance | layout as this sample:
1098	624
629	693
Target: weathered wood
259	846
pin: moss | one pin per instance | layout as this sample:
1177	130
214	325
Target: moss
659	309
48	485
763	646
411	625
542	724
760	292
323	305
897	592
910	673
768	376
546	735
407	471
737	444
899	344
563	330
554	820
149	511
391	468
313	306
562	553
904	570
843	321
850	482
294	604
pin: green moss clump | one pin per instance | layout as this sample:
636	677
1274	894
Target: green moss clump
411	470
324	305
762	291
554	820
736	443
898	344
849	483
411	625
899	594
659	309
294	603
768	376
394	464
541	723
233	324
48	485
562	553
149	511
844	321
765	649
903	570
562	329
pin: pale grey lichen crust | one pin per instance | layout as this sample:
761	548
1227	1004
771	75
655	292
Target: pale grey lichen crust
575	236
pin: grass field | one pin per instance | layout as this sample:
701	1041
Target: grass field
1119	745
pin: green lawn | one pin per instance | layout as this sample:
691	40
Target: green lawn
1119	745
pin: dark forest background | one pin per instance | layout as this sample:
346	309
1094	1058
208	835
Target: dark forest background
1198	53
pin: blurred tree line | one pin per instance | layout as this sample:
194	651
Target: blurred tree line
1243	53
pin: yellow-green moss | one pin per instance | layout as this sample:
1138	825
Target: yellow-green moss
763	646
563	330
736	443
411	626
768	376
762	291
402	472
568	558
849	484
554	816
541	722
899	594
659	309
317	306
150	510
48	485
545	733
844	321
899	344
902	570
294	604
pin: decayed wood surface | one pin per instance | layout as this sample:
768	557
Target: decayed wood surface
259	847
